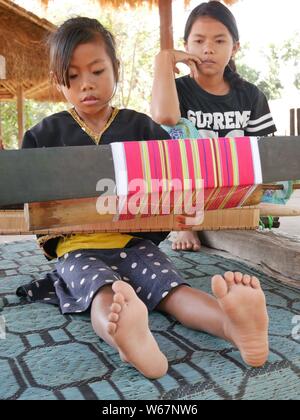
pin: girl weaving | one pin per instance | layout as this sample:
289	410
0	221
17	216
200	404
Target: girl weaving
120	277
213	101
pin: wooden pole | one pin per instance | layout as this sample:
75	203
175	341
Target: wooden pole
1	136
292	122
20	111
166	24
2	77
2	67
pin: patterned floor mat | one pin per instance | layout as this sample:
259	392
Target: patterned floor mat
44	355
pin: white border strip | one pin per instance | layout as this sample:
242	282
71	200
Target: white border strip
118	153
256	160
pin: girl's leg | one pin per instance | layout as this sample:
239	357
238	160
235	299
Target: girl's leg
237	313
121	319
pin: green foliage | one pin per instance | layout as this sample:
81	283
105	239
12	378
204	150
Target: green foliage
137	44
277	58
297	81
34	112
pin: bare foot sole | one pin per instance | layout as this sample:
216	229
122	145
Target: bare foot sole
128	327
186	241
246	319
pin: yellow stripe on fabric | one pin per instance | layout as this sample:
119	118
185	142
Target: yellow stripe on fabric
163	174
214	162
196	159
184	160
235	162
163	164
218	162
146	165
146	156
168	167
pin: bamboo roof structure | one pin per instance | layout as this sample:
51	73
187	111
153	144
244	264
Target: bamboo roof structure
136	3
22	44
165	12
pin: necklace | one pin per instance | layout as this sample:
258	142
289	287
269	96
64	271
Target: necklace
96	137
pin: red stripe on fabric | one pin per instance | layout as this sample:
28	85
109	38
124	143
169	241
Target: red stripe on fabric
190	161
224	162
229	162
134	160
175	159
206	162
245	160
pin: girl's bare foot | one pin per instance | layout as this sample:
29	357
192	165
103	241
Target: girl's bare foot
246	319
186	241
128	326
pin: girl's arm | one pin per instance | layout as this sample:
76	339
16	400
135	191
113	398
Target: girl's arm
165	107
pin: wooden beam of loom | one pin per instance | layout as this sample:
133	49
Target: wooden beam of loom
17	222
82	212
34	175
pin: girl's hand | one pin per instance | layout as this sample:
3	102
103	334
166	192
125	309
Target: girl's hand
192	61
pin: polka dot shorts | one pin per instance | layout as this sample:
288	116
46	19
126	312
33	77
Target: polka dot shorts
81	274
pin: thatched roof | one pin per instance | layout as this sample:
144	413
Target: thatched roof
135	3
22	43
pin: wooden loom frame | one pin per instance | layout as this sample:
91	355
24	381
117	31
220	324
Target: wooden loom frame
70	216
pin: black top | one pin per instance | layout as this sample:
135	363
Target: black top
244	111
62	129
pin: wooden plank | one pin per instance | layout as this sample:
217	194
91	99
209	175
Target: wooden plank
20	113
18	222
278	210
278	254
58	214
292	122
12	222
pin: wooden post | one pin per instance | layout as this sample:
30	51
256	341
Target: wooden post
1	136
166	24
20	110
2	67
2	77
292	122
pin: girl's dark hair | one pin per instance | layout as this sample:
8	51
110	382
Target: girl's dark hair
68	36
216	10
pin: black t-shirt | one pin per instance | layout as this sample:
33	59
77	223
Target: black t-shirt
61	129
244	111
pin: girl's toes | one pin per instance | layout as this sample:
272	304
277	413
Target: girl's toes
115	307
246	280
229	277
119	299
255	283
219	287
238	277
111	328
113	317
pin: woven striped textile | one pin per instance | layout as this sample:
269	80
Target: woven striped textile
224	170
